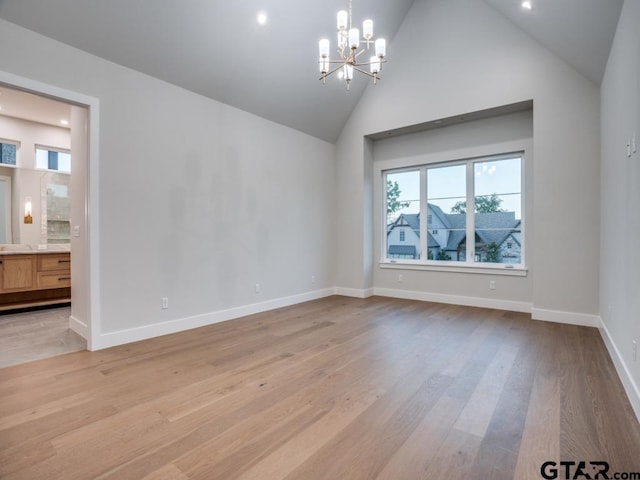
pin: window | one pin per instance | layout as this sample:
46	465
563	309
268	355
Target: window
487	233
49	159
8	153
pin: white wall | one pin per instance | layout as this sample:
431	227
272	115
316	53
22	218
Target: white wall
27	180
198	201
80	275
470	58
620	184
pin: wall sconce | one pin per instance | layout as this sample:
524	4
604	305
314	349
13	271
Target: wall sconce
27	210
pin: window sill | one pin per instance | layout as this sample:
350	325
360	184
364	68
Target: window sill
518	271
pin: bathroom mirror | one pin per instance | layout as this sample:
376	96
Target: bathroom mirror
49	194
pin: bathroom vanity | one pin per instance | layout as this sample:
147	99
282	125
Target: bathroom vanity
31	277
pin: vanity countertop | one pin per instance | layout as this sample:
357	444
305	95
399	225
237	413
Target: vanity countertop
10	249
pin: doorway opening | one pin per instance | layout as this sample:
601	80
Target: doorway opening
77	233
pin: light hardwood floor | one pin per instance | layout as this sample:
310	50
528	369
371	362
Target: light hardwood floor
338	388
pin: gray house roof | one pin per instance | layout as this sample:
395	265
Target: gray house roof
431	241
490	227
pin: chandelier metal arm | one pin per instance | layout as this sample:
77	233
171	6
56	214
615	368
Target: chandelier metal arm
372	75
325	75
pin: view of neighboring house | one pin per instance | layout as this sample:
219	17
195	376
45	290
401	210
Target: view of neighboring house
498	236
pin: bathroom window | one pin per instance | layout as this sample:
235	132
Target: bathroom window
8	153
53	159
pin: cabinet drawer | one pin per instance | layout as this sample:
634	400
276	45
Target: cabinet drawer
54	279
54	261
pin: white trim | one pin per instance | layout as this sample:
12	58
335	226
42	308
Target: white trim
92	263
516	271
570	318
496	303
354	292
144	332
629	384
79	327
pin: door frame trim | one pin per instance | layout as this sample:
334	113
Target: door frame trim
91	264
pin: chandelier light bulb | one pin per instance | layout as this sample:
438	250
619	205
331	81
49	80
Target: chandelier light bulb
323	65
374	65
348	72
367	29
354	38
381	48
324	47
343	18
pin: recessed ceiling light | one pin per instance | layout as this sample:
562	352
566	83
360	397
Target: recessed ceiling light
64	122
527	5
262	18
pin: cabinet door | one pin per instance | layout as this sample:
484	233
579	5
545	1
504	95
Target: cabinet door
18	272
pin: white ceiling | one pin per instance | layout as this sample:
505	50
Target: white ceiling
18	104
578	31
217	49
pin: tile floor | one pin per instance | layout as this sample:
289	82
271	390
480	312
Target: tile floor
37	334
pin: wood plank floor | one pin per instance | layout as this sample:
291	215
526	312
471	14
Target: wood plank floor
338	388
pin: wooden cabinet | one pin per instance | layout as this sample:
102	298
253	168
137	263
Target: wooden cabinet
34	279
18	273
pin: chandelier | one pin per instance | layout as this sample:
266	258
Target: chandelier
348	44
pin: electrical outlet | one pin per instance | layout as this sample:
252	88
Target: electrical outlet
313	279
400	278
492	284
634	349
165	303
257	288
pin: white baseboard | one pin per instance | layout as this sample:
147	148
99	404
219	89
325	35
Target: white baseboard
571	318
79	327
455	299
630	386
111	339
354	292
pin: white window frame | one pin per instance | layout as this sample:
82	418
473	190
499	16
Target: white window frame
469	265
51	149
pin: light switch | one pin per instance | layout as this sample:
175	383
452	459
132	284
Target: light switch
76	230
634	144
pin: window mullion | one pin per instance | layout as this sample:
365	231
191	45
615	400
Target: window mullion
385	243
423	214
471	235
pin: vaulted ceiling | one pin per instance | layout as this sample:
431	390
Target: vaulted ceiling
217	49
